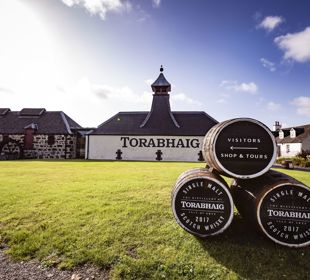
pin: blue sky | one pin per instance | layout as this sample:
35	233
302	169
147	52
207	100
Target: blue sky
93	58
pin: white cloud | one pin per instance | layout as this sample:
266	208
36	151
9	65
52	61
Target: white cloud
7	90
303	105
179	97
156	3
273	107
240	87
221	100
296	46
149	82
100	7
184	98
145	16
109	94
271	22
69	3
268	64
103	99
108	100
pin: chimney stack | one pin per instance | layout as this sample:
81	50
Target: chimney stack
277	126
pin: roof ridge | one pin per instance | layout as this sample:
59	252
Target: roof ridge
66	122
195	112
133	112
297	126
107	121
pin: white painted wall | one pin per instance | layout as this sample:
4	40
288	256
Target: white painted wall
105	147
294	149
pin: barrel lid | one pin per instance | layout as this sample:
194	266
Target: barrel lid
201	205
283	214
244	148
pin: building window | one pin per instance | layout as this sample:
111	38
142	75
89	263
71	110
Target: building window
51	140
281	134
287	149
292	133
28	139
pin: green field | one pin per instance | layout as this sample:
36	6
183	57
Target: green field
117	215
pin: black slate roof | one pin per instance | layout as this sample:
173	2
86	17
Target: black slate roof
32	111
160	113
161	82
4	111
129	123
160	120
302	132
47	122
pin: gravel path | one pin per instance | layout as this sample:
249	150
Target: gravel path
33	270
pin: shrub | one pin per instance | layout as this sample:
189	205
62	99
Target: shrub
281	160
297	161
304	154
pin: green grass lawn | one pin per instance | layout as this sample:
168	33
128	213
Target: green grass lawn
117	215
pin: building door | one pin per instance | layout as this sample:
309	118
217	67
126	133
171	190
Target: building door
80	146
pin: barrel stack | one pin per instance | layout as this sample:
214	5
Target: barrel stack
276	204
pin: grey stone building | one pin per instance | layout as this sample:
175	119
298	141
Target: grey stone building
37	133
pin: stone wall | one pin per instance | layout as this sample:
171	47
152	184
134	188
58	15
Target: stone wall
64	146
11	147
71	146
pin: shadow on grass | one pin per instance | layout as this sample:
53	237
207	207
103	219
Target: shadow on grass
254	257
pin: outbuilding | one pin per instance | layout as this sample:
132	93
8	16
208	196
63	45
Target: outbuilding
292	141
37	133
160	134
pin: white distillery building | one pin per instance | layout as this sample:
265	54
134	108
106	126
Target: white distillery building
292	140
160	134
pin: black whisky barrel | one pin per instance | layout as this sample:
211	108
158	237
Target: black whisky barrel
278	205
240	148
202	203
